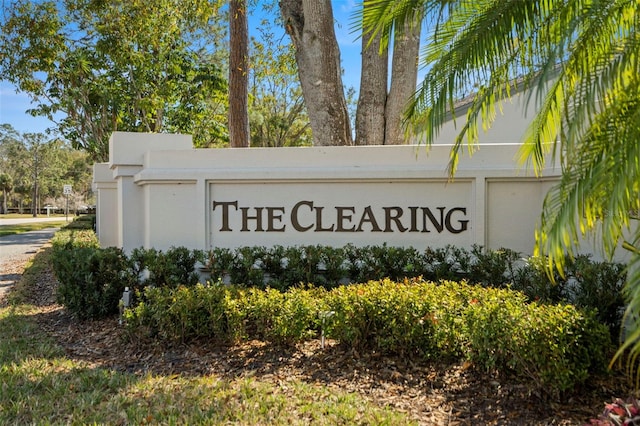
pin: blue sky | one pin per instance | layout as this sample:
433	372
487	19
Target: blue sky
13	105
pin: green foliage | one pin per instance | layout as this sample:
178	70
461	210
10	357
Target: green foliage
599	286
588	284
69	239
493	267
35	168
554	347
172	268
227	314
6	185
585	283
532	279
217	262
247	267
164	71
91	280
580	61
277	111
79	59
283	318
448	263
382	316
86	222
186	313
301	265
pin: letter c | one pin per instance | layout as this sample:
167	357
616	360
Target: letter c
294	216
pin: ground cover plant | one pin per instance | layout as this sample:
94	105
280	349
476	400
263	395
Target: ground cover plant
175	374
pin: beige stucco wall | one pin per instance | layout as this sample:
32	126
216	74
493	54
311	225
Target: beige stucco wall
105	188
158	191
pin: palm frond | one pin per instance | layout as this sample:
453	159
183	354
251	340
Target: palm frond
630	347
386	16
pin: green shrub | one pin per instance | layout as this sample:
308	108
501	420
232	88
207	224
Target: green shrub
383	316
554	347
395	263
302	265
247	267
331	268
219	262
67	239
91	280
274	267
283	318
493	268
224	313
446	264
590	285
87	222
186	313
597	285
533	280
413	317
172	268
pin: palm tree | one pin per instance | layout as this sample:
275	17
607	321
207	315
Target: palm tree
581	58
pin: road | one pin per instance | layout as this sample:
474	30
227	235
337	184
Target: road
16	250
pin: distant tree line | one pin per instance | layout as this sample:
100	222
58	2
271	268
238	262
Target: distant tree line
34	169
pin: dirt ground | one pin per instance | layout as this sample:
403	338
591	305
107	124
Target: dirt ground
431	393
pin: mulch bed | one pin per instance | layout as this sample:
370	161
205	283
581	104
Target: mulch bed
431	393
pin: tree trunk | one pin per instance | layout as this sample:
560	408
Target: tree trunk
34	202
404	75
370	119
309	23
238	74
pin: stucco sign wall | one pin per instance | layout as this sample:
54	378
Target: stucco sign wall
158	191
369	212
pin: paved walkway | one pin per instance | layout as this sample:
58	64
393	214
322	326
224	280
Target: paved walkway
15	251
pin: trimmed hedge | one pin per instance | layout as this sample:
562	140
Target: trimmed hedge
590	285
91	281
555	347
585	283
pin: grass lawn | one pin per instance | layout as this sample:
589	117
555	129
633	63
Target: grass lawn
26	227
40	385
29	216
